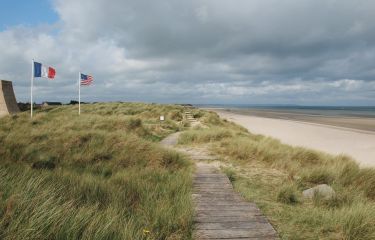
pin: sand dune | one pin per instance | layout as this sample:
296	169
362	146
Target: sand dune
358	144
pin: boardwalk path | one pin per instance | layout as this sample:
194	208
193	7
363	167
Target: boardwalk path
221	213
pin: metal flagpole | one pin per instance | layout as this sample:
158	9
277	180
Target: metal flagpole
31	88
79	93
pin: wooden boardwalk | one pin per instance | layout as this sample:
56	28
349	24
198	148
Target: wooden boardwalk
220	212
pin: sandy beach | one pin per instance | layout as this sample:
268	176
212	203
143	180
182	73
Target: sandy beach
352	138
354	122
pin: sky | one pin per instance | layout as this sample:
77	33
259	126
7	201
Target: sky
305	52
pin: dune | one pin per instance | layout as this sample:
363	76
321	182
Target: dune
360	145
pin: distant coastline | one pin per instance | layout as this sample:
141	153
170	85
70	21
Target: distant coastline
356	118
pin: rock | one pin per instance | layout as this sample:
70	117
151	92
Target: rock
323	190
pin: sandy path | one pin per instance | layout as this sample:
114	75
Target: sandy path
359	145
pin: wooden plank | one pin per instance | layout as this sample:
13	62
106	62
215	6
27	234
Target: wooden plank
232	225
213	219
234	207
209	175
213	180
234	233
205	186
210	182
230	213
213	189
213	198
222	205
212	193
218	194
252	238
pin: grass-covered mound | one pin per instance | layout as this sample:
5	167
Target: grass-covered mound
95	176
273	175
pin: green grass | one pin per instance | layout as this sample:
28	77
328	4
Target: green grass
273	175
101	175
288	194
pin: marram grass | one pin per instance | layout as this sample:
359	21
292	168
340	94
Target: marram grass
102	176
97	176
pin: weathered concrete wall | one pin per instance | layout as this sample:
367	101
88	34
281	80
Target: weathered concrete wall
8	102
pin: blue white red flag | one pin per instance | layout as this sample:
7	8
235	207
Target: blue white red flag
43	71
86	79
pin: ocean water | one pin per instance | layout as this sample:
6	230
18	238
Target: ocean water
347	111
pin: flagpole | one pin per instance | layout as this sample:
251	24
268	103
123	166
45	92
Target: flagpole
79	93
31	88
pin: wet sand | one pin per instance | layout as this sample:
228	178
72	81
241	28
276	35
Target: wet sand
336	135
353	122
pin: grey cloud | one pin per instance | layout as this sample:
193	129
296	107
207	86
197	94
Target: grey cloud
259	51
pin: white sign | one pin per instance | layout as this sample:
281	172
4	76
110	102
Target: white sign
161	118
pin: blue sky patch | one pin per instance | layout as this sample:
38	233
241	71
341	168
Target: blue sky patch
26	12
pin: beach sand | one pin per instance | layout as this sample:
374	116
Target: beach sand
334	137
353	122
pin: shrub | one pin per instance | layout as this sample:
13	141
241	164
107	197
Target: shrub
231	174
339	200
362	178
134	123
173	160
318	175
358	222
368	181
43	165
176	115
306	157
288	194
212	118
348	172
204	135
198	114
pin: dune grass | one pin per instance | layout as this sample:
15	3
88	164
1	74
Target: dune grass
273	175
98	176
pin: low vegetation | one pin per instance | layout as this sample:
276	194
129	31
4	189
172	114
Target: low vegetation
274	175
100	175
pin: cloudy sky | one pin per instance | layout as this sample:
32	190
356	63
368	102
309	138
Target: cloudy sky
307	52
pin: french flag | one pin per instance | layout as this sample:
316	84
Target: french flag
43	71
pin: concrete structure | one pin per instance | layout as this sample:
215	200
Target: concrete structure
8	102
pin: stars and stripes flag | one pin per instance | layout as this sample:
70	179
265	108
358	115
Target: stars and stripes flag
86	80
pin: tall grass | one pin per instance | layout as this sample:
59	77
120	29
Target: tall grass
97	176
274	174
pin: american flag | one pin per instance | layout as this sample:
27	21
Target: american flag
86	80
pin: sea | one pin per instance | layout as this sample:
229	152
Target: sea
332	111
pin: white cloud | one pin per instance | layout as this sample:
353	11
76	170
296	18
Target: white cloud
348	84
